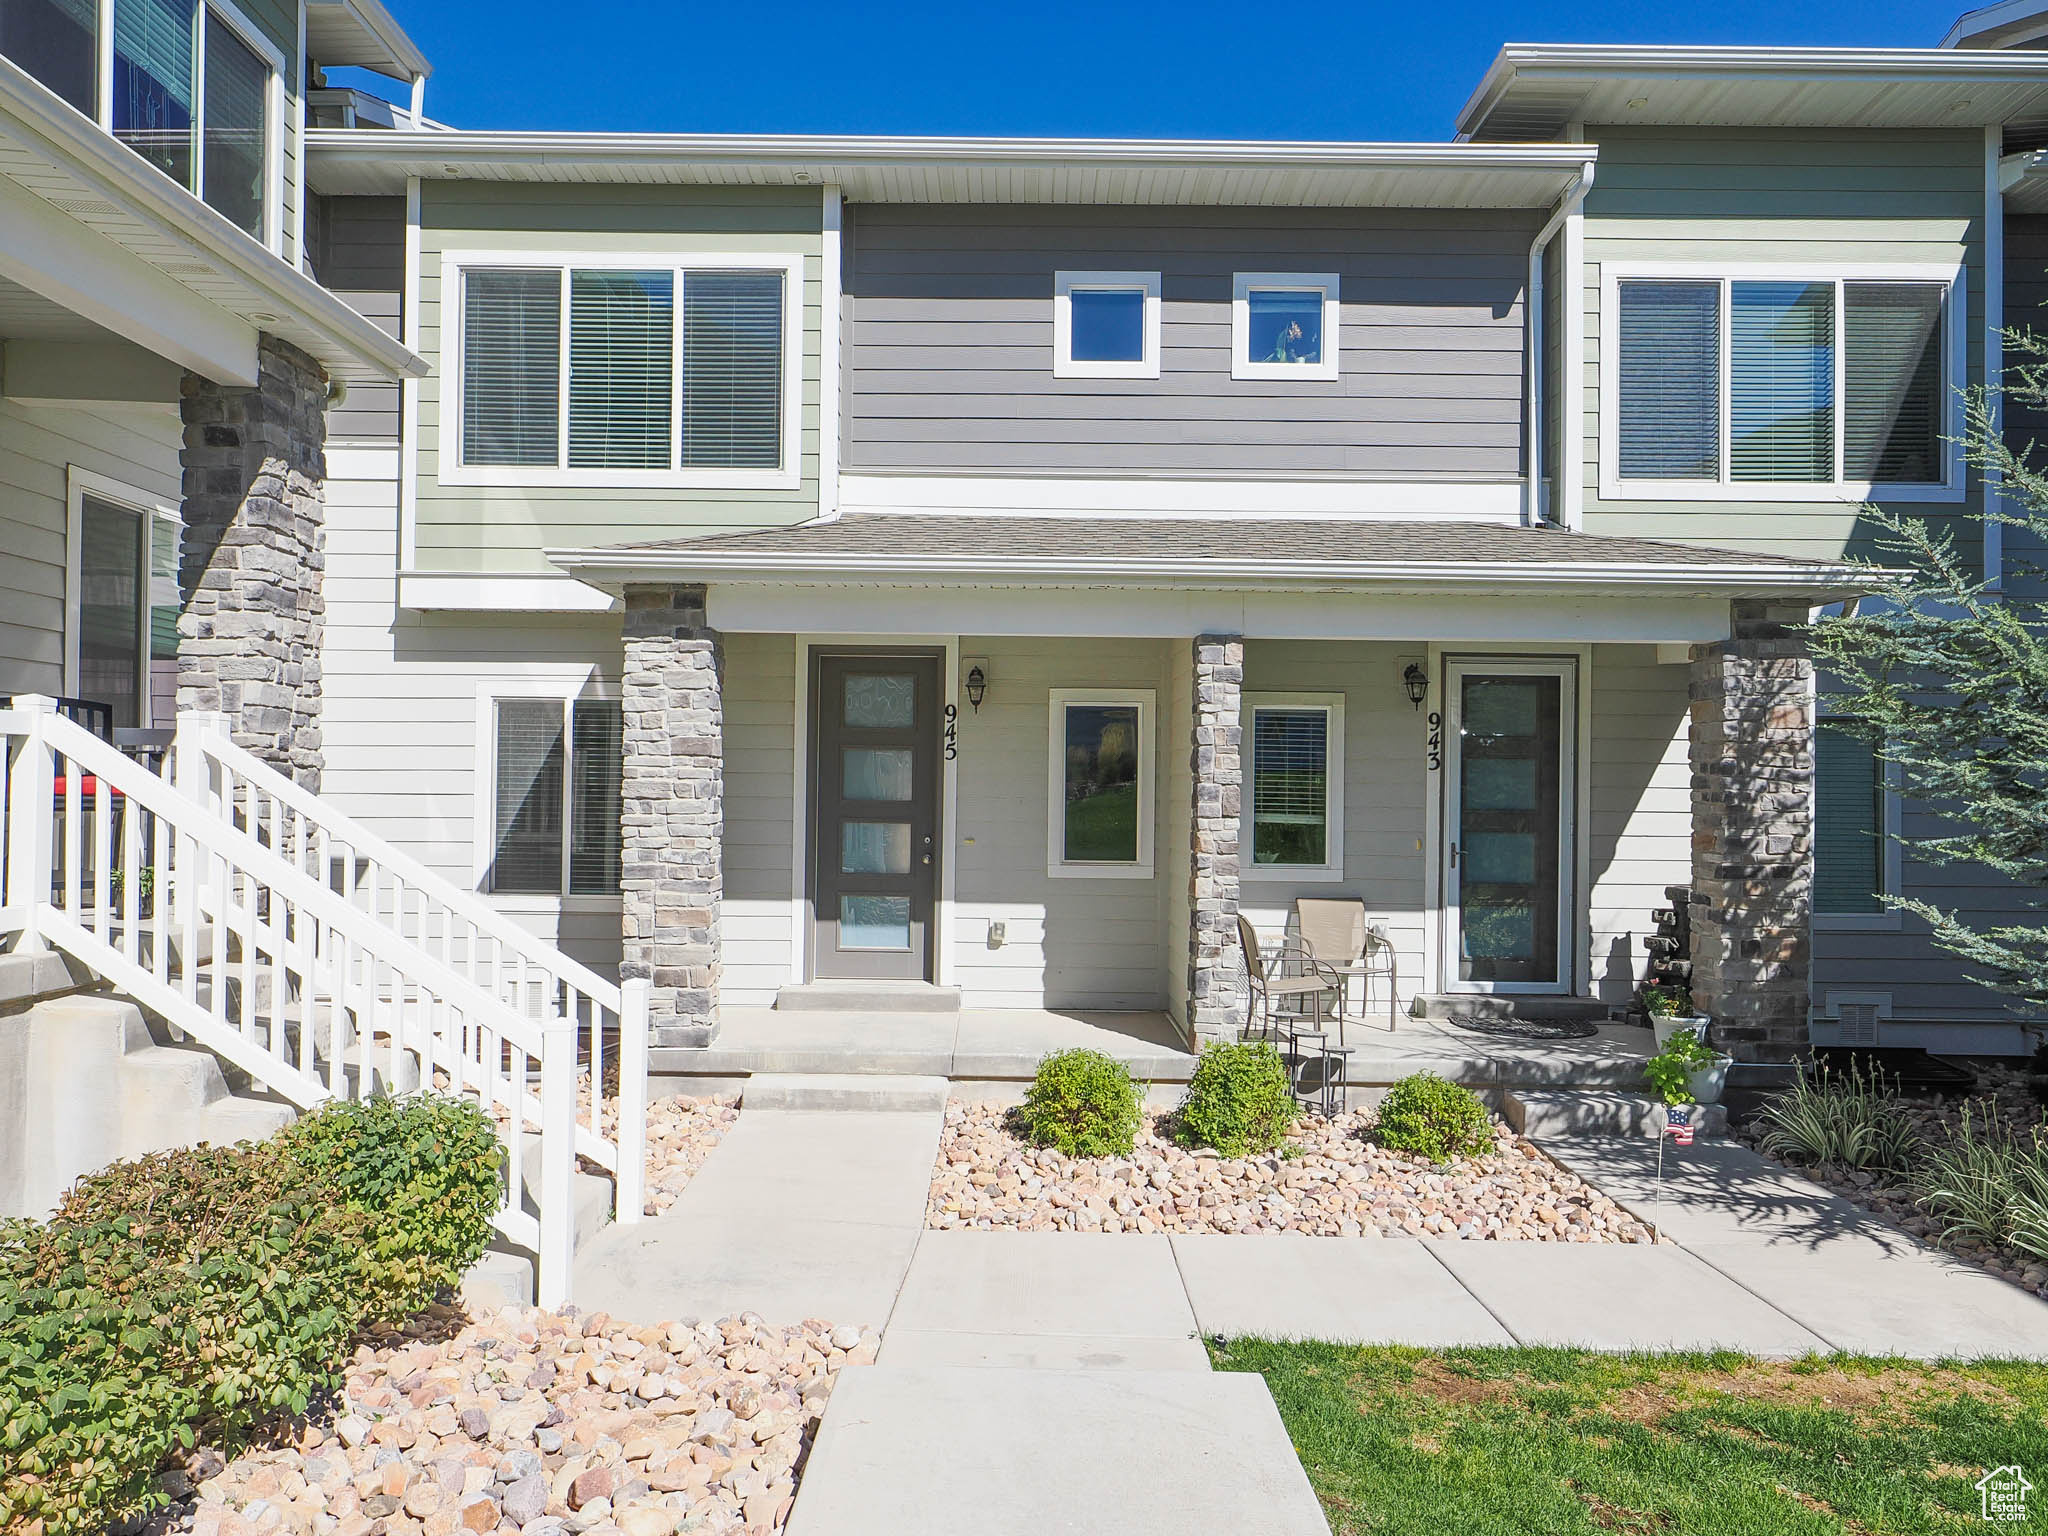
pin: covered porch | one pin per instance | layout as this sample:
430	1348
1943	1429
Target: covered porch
1038	787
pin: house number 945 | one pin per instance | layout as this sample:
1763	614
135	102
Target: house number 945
1436	741
952	732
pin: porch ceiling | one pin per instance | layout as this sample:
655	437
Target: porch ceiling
1251	554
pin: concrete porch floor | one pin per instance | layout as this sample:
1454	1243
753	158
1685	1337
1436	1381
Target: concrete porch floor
1004	1045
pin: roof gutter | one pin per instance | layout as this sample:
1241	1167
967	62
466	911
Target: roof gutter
1533	509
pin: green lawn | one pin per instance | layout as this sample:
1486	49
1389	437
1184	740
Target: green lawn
1528	1442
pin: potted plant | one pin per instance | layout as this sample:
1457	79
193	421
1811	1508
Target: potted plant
1688	1070
1671	1011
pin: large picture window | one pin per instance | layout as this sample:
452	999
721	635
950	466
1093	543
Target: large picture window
1294	810
615	373
555	785
1780	386
1100	783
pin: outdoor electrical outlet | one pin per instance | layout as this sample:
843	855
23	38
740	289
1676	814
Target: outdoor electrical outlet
997	932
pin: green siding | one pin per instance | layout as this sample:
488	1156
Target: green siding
1700	195
492	528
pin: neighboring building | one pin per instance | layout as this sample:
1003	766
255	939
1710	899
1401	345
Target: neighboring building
773	563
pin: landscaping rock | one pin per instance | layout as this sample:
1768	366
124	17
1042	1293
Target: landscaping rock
1332	1183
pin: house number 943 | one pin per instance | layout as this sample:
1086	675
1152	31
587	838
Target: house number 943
952	732
1436	741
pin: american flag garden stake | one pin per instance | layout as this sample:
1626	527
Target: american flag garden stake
1678	1126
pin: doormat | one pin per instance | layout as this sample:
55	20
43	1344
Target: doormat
1522	1029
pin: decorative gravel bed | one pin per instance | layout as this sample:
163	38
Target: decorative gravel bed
2001	1096
1340	1185
544	1424
680	1134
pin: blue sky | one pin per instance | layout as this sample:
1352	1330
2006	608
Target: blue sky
1193	69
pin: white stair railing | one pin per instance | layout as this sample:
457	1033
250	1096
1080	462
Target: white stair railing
457	927
271	969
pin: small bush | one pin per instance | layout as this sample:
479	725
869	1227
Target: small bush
1668	1002
1988	1185
198	1293
1848	1121
1083	1103
1239	1100
1427	1117
1670	1070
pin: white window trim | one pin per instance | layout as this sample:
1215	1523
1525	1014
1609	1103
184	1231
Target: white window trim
237	22
1056	866
449	468
1241	286
153	510
1892	871
1954	317
1332	868
1064	364
567	686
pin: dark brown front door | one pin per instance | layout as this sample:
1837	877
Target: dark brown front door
875	866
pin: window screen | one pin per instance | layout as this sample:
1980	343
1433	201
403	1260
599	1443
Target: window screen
1781	381
154	77
1290	786
1669	406
732	370
1891	382
527	855
621	369
56	42
1848	854
236	119
511	366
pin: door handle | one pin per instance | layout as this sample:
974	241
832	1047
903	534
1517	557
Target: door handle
1454	855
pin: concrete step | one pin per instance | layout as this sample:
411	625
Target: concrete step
1549	1113
26	977
843	1091
869	997
1546	1010
497	1280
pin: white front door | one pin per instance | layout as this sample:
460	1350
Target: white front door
1508	852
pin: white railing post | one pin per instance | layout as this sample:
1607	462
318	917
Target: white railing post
32	816
556	1251
631	1131
194	781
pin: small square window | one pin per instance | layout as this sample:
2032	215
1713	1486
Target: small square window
1284	326
1105	325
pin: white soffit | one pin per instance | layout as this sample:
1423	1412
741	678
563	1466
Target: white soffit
1534	90
362	33
2010	24
913	170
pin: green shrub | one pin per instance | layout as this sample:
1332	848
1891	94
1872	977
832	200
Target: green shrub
1239	1100
1427	1117
1670	1070
1083	1103
1988	1184
198	1293
1668	1002
1847	1120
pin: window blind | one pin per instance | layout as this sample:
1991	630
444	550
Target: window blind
1781	386
1670	401
511	366
732	370
1848	847
1290	786
237	116
527	854
154	68
621	369
1891	382
596	768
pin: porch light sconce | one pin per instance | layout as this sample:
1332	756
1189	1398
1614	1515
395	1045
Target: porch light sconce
977	687
1416	681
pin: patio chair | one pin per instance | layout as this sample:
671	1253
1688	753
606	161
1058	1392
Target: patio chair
1278	992
1339	934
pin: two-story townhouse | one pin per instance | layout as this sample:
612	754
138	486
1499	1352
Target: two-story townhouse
1139	533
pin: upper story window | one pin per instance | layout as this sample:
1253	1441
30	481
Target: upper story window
619	372
194	90
1283	325
1105	325
1781	386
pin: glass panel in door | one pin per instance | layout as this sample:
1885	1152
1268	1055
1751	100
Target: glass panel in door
1507	852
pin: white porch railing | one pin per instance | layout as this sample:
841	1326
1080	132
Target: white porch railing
184	897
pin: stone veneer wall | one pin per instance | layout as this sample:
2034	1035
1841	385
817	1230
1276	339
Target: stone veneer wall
1215	760
1752	840
673	809
253	556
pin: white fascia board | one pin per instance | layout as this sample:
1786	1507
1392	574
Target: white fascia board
1181	497
50	129
612	567
440	593
73	266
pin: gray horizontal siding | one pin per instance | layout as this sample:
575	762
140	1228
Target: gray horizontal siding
358	246
949	347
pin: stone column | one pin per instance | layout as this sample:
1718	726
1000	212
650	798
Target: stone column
1752	832
1215	1009
673	809
253	556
